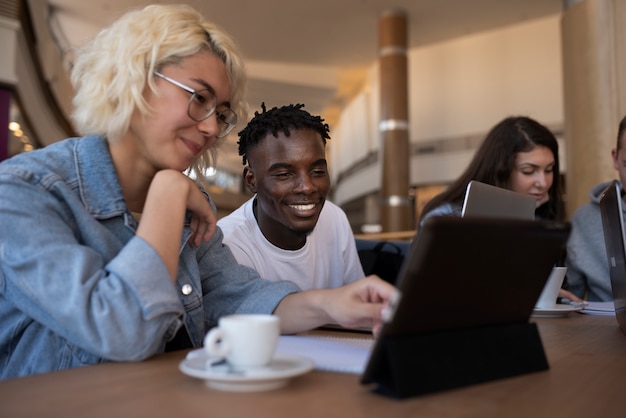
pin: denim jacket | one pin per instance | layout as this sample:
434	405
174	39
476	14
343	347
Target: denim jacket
78	287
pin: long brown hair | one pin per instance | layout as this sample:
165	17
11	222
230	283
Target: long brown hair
494	162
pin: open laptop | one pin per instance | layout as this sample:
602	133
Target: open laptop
463	274
613	225
485	200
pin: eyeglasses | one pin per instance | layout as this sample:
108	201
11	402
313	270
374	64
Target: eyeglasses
202	104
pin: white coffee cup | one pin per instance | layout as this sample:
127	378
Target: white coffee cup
245	340
550	292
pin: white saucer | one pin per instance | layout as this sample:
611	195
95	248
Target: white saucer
558	311
223	377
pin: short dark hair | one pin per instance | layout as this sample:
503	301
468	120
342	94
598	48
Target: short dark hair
620	133
275	120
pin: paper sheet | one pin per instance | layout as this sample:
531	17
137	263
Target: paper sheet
599	308
329	353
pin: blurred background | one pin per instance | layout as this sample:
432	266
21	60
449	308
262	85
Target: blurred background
469	63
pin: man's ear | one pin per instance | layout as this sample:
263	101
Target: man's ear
614	158
249	179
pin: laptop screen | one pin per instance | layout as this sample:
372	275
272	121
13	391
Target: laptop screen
613	225
485	200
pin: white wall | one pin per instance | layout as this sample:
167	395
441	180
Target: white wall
457	89
8	42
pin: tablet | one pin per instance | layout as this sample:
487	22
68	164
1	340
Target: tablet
464	273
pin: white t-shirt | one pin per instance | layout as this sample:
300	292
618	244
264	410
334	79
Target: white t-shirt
329	258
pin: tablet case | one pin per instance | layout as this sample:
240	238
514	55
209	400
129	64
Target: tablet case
468	287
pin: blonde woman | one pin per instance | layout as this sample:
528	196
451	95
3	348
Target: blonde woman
108	251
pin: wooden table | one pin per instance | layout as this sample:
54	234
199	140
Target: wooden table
587	357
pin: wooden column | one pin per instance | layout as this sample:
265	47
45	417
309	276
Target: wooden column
594	78
396	212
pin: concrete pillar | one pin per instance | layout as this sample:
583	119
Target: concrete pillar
594	76
396	212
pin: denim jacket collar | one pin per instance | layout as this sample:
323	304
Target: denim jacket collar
98	183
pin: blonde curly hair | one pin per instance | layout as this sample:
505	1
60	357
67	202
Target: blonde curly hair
112	70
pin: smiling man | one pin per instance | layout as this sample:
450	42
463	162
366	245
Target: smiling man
287	230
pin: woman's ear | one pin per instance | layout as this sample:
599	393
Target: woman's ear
249	178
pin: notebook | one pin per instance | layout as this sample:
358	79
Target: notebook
470	272
613	226
485	200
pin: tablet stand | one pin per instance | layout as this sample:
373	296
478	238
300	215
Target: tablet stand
419	364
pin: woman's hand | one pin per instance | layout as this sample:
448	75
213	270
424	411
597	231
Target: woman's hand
569	295
203	219
361	303
170	195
